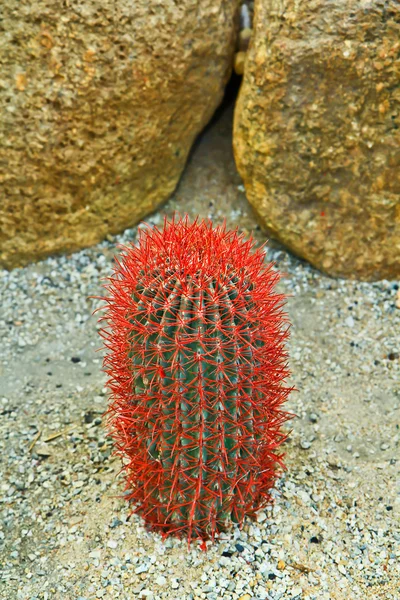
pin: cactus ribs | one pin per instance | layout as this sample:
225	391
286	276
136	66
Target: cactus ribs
195	337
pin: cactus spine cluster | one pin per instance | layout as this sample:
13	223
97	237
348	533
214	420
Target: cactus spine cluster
196	361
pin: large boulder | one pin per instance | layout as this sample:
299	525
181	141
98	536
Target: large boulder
100	101
317	131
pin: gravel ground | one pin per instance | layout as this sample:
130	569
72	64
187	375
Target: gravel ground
333	531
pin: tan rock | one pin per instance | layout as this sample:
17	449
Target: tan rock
317	131
244	39
100	102
238	63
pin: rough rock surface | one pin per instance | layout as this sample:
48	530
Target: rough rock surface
100	102
317	138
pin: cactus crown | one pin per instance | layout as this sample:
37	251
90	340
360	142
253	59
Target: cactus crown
196	363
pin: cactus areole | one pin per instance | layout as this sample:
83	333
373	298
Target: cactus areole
195	336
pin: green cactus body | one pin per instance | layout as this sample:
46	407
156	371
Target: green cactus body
196	400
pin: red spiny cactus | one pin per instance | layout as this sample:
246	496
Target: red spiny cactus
196	363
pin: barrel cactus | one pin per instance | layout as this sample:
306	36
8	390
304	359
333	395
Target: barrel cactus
195	353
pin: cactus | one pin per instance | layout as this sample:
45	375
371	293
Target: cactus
196	362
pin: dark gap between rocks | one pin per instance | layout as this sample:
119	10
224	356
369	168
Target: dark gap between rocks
227	103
